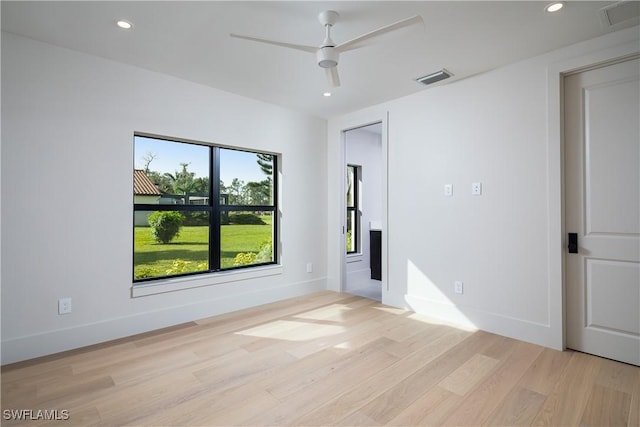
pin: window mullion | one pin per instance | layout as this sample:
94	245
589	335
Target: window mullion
214	200
356	203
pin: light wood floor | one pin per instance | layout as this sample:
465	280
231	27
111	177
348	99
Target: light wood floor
325	359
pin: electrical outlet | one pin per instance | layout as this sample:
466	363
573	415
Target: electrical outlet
448	189
476	188
64	306
458	287
309	267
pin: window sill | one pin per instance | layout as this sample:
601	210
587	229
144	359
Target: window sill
181	283
357	257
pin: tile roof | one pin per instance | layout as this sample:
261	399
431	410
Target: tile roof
142	185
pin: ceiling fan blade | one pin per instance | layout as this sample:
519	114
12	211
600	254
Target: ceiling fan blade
332	76
356	43
276	43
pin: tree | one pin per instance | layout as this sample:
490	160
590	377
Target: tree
265	161
262	189
148	158
201	185
236	192
161	181
183	182
259	193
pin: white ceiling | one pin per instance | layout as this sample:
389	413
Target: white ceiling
191	40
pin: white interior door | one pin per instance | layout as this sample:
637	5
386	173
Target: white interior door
602	206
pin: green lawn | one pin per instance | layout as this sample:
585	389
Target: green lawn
189	251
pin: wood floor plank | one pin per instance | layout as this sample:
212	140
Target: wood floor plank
519	408
238	370
397	398
132	403
546	370
284	390
264	313
606	407
430	409
488	395
634	407
324	388
368	333
469	374
323	359
617	375
358	419
376	383
361	326
565	405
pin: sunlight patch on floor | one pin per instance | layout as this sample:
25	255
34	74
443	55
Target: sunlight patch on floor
343	346
392	310
289	330
331	312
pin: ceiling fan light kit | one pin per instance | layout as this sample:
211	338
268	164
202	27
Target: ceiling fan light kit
327	57
328	53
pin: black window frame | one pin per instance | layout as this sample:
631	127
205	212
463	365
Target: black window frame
215	209
355	236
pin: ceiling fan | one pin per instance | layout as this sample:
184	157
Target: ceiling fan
328	53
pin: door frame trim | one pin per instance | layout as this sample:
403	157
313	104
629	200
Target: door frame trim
337	203
343	149
556	233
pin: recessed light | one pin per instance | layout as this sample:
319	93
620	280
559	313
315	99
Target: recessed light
554	7
124	24
327	94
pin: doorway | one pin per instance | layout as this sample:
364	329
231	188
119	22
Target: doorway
364	211
602	210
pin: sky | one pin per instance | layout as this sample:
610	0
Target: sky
169	156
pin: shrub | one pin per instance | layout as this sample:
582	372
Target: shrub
196	218
179	266
245	218
244	258
266	252
224	218
144	272
165	225
247	258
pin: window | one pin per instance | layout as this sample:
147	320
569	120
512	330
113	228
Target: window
201	208
353	209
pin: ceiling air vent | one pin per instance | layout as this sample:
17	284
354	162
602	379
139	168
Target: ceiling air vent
620	12
434	77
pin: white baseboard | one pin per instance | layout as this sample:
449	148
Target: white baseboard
29	347
470	318
358	276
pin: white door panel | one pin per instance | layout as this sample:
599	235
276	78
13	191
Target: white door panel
602	205
613	284
607	186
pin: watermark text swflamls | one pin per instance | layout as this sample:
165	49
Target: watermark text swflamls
36	414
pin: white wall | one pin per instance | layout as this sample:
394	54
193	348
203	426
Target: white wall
364	149
505	245
67	157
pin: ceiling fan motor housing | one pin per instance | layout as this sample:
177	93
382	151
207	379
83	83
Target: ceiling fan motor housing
328	17
327	57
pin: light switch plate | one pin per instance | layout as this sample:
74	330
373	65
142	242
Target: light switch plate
64	305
